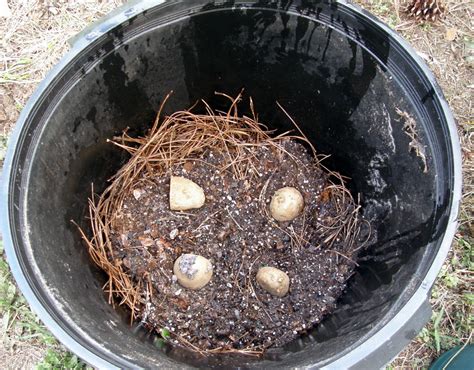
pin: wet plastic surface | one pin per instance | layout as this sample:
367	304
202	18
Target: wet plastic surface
339	74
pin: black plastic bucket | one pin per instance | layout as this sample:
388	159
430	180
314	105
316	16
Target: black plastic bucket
340	73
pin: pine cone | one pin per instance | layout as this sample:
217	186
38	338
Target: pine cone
427	10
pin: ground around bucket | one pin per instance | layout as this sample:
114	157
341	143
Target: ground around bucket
35	36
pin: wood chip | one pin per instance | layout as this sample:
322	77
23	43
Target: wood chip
451	34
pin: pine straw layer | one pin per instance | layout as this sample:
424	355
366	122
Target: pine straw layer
184	136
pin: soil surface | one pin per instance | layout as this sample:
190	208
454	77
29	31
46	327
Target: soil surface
236	233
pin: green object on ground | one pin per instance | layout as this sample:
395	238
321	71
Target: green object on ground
457	358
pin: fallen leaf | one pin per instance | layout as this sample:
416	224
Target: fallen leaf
450	34
188	166
146	241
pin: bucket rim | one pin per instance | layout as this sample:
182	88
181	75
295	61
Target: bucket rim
353	355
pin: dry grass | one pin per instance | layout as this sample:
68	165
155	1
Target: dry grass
184	136
23	355
32	41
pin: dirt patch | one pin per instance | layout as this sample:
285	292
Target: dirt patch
23	355
234	231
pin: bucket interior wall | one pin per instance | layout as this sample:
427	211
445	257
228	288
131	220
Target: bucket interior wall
340	80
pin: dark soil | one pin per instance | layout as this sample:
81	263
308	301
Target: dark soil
233	230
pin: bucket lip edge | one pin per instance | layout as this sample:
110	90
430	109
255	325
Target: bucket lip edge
117	17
